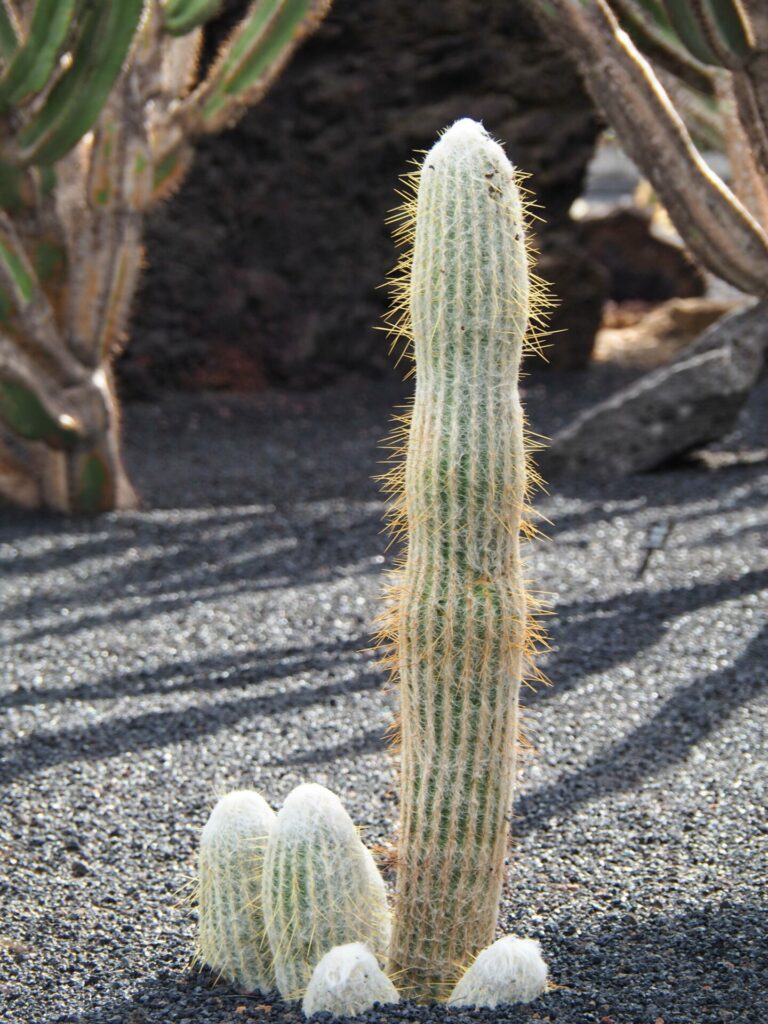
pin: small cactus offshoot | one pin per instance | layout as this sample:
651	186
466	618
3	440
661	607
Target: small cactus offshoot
510	971
232	938
347	981
321	888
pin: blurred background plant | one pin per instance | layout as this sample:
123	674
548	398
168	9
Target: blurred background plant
99	105
294	200
264	269
665	76
713	56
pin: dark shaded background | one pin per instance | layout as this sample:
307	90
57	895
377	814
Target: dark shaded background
266	266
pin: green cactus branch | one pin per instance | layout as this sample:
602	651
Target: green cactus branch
99	107
182	16
652	33
249	62
713	221
9	31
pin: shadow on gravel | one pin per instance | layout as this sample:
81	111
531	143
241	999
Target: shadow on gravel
593	636
160	728
703	965
202	675
690	714
145	567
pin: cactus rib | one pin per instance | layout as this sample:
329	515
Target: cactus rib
77	98
182	16
9	36
250	60
34	61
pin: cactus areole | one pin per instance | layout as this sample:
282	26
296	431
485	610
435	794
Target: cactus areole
458	620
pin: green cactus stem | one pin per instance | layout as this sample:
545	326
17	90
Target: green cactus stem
459	621
231	933
321	888
99	105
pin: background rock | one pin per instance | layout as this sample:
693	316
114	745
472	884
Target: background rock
639	263
689	402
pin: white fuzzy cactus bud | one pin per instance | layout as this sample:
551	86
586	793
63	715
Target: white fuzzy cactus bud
231	933
510	971
347	981
321	888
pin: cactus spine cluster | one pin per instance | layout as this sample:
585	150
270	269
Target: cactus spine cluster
346	982
459	622
232	937
100	103
321	888
510	970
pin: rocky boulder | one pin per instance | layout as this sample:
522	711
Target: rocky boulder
682	406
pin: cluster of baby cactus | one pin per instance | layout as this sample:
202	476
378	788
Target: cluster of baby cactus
99	106
301	887
293	900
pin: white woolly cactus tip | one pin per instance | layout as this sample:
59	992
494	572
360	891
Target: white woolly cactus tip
312	804
462	141
231	932
510	971
239	812
347	981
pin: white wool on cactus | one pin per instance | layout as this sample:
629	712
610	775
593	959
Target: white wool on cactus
232	936
510	971
347	981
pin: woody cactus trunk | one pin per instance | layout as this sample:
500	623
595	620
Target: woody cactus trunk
99	107
626	51
459	615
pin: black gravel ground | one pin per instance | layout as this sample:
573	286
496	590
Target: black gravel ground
153	659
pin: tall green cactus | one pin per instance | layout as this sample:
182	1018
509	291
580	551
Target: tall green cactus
460	619
100	103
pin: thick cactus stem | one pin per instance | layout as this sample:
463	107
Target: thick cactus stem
321	888
98	106
459	622
232	935
347	981
510	971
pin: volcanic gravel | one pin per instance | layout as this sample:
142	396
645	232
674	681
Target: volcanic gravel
216	638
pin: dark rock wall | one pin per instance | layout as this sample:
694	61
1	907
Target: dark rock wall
267	264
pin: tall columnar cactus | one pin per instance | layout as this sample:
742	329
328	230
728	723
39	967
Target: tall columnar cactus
321	888
100	103
459	622
232	937
715	45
